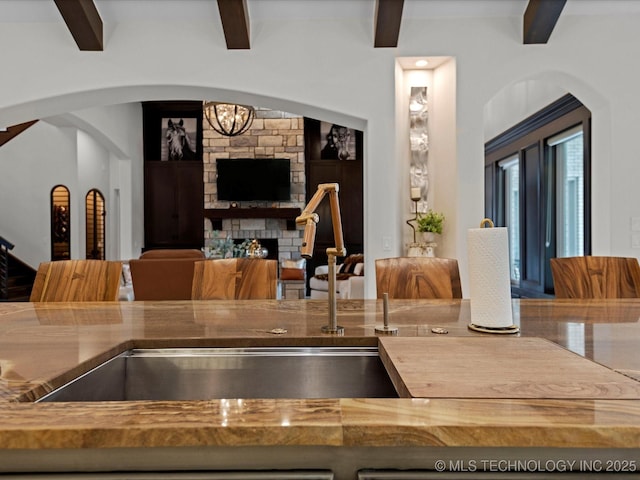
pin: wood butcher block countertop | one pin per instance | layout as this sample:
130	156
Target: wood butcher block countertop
568	379
462	367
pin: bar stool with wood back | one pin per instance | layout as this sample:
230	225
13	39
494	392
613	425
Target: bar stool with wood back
596	277
418	277
77	281
235	279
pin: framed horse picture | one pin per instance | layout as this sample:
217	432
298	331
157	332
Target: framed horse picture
178	139
337	142
172	131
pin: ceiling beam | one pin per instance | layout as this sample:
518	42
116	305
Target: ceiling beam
84	23
388	17
540	18
235	23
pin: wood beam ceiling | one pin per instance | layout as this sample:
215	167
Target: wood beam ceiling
388	17
84	23
235	23
540	18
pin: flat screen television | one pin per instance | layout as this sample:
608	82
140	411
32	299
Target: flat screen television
246	179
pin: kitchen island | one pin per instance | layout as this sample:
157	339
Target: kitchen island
43	346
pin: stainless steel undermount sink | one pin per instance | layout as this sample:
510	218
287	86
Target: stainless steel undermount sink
213	373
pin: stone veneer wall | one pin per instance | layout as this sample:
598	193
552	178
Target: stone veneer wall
273	134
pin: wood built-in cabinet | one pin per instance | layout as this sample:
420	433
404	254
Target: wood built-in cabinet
173	200
173	188
348	174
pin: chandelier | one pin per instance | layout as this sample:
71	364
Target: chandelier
228	119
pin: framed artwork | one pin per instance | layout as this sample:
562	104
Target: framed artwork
337	142
178	138
172	131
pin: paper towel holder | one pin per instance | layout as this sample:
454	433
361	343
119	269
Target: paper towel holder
486	221
511	329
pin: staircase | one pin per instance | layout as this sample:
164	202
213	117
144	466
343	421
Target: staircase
16	277
20	281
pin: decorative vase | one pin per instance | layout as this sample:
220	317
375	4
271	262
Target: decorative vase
428	237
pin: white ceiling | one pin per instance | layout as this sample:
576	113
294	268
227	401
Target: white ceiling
17	11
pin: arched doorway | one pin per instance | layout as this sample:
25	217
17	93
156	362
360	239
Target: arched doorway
60	223
538	175
95	225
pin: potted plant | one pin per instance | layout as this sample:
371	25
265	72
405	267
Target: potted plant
430	223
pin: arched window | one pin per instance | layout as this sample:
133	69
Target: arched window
95	219
60	223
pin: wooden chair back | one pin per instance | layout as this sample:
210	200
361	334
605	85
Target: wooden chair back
235	279
418	277
596	277
77	281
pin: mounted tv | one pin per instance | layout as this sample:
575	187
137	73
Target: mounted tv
254	179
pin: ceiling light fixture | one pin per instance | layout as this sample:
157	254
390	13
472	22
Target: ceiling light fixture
229	119
422	63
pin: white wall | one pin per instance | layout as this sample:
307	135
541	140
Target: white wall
29	170
329	70
82	151
444	156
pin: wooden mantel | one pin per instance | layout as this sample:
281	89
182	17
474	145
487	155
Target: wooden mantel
216	215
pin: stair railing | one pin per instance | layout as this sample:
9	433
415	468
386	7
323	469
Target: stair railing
5	246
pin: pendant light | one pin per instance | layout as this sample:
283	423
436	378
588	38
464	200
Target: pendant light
229	119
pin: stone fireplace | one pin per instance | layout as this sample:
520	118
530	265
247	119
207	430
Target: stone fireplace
273	134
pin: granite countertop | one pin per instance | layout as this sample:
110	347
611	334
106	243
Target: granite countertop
43	346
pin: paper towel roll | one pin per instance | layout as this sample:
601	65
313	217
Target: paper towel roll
489	277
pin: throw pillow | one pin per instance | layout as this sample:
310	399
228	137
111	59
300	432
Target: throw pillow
291	274
292	269
349	264
359	269
300	263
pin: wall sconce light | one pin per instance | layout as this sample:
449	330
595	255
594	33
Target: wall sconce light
229	119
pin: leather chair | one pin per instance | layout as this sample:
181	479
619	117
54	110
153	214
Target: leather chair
164	273
596	277
235	279
77	281
418	277
162	278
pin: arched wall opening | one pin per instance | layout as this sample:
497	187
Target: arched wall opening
521	98
95	121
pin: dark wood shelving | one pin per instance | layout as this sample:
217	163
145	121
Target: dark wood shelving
216	215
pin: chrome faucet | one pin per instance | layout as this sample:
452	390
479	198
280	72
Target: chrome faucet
309	219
